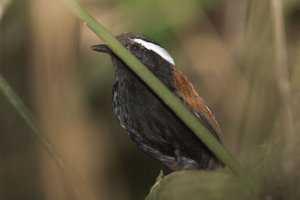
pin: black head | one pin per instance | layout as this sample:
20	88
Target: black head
150	53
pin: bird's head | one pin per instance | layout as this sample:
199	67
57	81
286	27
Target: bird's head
150	53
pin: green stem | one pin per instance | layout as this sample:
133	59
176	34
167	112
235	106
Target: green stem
162	91
27	116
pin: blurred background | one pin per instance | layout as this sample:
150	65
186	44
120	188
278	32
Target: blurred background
243	63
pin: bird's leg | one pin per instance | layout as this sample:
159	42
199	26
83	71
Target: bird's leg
178	160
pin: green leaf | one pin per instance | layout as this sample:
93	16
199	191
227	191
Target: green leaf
198	185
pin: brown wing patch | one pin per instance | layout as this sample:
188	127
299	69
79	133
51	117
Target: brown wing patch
187	91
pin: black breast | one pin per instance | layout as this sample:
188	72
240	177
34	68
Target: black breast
154	127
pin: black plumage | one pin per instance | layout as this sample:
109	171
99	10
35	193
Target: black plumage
147	120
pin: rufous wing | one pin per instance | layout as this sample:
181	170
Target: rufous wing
195	103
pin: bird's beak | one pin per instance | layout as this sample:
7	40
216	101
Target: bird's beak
102	48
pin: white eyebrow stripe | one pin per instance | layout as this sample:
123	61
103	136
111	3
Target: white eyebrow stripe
157	49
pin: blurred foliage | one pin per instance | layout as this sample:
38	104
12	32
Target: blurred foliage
225	47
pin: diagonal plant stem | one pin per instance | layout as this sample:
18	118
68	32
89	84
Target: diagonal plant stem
161	90
27	116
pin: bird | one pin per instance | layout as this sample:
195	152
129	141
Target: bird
152	125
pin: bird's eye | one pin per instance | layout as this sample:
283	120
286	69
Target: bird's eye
134	48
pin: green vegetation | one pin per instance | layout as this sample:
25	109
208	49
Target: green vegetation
242	57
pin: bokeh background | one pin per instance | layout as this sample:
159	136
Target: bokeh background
228	49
